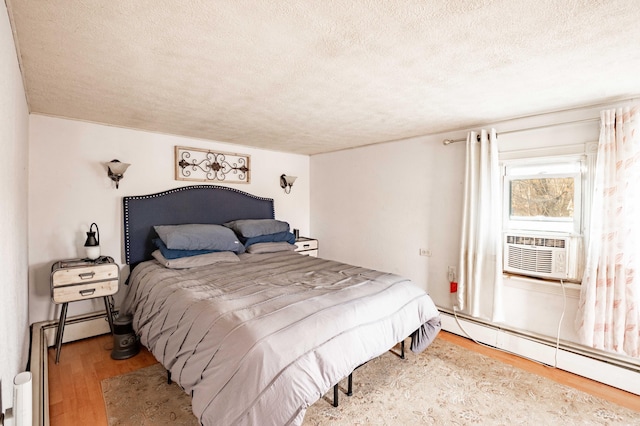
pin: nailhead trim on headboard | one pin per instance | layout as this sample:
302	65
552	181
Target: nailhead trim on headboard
127	199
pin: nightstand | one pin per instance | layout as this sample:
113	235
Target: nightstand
79	279
307	246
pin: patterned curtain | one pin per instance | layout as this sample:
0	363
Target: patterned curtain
480	269
608	314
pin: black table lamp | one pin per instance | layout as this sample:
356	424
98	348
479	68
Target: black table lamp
92	245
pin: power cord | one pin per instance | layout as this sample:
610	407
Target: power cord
564	308
557	346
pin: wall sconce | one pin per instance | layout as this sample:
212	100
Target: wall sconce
92	245
286	182
115	170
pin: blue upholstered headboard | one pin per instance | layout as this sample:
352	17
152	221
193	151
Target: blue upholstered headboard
187	204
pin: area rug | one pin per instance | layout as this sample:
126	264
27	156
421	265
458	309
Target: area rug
445	385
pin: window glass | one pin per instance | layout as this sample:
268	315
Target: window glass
542	198
543	195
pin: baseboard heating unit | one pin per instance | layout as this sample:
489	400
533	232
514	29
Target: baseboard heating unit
43	336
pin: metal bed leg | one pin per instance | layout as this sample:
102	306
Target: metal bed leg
401	354
349	389
350	377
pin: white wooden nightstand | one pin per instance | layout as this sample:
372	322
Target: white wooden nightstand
78	279
307	246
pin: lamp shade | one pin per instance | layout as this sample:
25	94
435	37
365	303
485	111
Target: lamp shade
115	170
117	167
290	179
286	182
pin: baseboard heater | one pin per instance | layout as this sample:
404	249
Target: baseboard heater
43	336
609	368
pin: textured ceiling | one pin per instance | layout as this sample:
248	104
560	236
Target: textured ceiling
311	77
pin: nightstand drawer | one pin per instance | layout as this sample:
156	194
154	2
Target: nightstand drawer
72	293
306	244
86	274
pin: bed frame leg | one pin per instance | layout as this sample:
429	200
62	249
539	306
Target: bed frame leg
350	378
168	377
349	389
394	351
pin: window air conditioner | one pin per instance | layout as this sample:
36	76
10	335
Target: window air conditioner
544	256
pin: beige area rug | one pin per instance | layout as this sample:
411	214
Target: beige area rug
445	385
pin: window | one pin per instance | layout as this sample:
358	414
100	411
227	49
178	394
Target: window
546	199
544	194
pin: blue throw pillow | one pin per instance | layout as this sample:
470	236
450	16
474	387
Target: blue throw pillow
270	238
176	254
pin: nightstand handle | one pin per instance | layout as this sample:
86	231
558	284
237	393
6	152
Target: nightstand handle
87	292
306	245
86	275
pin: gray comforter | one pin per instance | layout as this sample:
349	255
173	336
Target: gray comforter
258	341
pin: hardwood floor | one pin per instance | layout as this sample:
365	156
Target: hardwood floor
75	395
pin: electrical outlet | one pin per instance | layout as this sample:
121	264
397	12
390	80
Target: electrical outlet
451	273
425	252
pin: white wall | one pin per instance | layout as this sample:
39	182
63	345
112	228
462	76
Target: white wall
69	189
14	324
377	206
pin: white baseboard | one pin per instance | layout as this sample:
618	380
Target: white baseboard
613	372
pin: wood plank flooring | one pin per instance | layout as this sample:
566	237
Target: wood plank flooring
75	395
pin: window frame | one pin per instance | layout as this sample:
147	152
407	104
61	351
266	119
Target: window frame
588	151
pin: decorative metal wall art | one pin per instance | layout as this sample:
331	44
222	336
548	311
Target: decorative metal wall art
204	165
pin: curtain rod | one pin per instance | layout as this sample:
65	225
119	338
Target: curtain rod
450	141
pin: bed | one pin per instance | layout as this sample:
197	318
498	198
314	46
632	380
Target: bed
258	339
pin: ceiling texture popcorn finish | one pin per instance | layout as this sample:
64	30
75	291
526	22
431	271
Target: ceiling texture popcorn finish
312	77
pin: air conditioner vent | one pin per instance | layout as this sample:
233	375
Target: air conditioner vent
543	256
530	260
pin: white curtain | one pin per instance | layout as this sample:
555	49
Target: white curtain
609	311
480	269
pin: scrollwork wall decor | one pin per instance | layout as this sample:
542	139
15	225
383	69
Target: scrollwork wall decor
204	165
